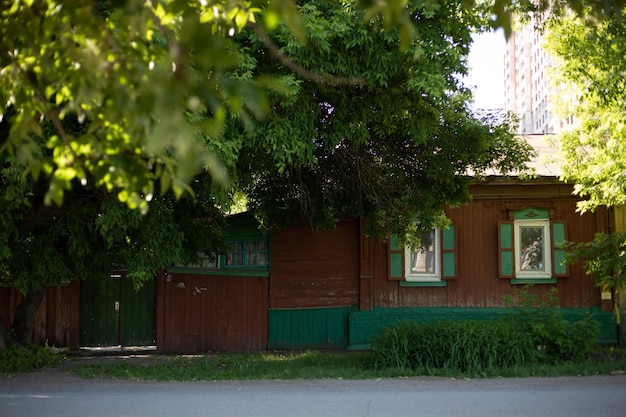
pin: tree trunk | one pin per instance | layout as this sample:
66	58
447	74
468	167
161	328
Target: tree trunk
24	319
6	340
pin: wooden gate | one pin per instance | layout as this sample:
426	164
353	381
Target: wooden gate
114	314
199	313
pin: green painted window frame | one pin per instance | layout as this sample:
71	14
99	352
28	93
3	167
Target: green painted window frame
508	247
223	269
395	256
245	253
398	256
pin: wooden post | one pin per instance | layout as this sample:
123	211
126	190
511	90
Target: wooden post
74	337
619	217
366	277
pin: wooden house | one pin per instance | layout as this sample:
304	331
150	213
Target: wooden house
337	288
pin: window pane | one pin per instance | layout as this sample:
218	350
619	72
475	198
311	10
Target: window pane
248	253
234	259
531	256
204	261
423	259
208	263
262	258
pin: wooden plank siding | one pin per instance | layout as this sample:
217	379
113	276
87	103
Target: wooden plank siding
478	284
56	321
315	268
305	328
198	313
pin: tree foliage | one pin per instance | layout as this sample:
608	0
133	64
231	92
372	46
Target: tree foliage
134	70
604	259
322	109
130	70
91	234
392	145
589	72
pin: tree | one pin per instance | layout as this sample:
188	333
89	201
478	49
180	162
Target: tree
133	68
91	234
590	78
326	109
604	260
393	144
589	72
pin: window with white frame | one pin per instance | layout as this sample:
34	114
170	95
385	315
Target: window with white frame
529	246
532	249
422	263
433	261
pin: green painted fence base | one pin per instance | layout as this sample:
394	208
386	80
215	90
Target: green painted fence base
365	325
324	328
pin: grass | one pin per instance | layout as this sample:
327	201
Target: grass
321	365
27	358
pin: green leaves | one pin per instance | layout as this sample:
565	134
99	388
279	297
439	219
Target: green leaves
391	146
127	92
129	71
590	78
603	258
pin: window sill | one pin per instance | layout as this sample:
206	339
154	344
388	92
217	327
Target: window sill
526	281
423	283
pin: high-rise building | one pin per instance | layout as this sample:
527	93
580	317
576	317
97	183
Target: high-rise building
527	90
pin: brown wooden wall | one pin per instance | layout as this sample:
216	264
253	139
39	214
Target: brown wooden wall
57	319
477	283
315	268
197	313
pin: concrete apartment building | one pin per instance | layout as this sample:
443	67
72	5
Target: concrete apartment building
527	88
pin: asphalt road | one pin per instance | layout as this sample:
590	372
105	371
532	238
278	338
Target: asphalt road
55	393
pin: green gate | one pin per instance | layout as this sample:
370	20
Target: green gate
114	314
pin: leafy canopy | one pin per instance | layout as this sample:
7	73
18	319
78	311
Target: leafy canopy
604	259
314	113
93	232
589	73
135	70
130	71
368	131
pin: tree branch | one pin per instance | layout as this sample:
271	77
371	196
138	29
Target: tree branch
299	70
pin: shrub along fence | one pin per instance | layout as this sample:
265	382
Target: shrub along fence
525	336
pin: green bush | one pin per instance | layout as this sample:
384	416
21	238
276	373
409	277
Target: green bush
27	358
554	337
528	335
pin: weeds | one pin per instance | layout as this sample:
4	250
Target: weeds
27	358
326	365
296	365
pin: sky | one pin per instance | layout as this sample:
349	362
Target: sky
486	77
